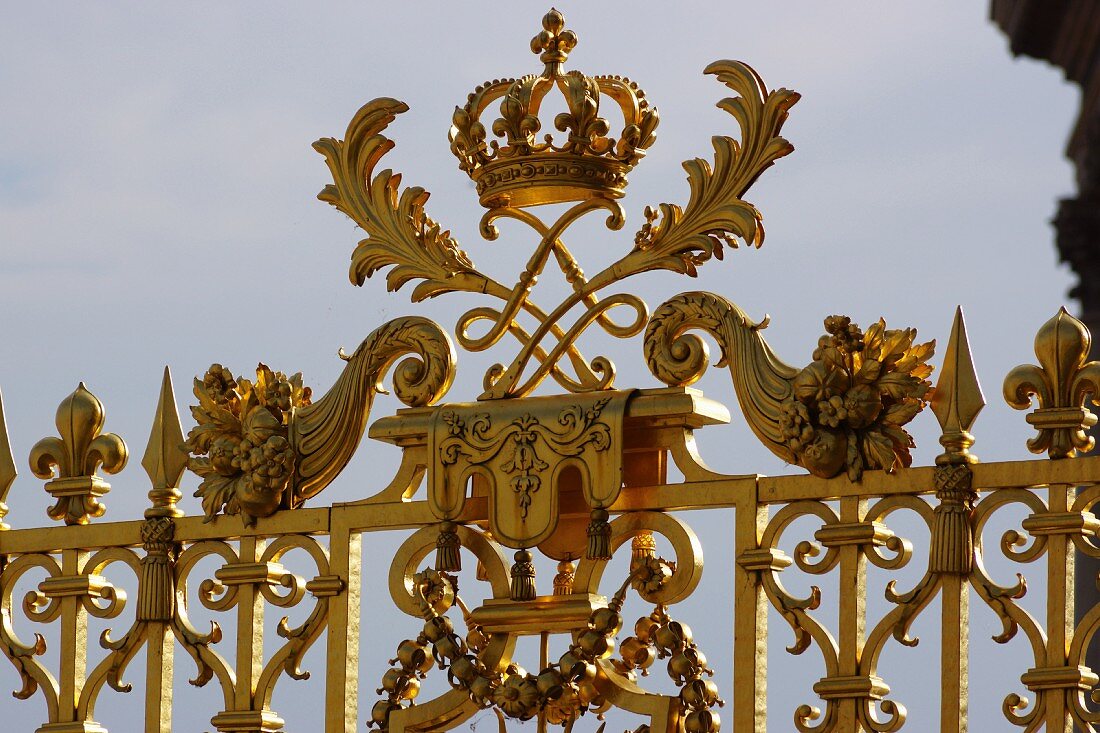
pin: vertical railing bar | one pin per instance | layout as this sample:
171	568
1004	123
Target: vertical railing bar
160	650
750	634
1060	606
954	653
250	630
342	674
74	640
853	613
951	560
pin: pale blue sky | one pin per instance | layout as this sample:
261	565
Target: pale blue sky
157	206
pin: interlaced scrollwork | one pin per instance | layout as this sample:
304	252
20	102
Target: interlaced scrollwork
599	665
32	673
73	590
78	588
589	171
199	645
121	650
851	688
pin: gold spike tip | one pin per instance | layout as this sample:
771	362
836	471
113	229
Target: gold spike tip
165	459
7	466
958	398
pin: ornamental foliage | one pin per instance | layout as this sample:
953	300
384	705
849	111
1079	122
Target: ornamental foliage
847	407
240	446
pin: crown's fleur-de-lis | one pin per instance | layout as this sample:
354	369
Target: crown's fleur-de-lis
1061	384
554	42
7	466
79	451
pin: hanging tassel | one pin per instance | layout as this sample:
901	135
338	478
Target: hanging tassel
523	577
563	581
599	536
952	545
642	548
157	587
447	557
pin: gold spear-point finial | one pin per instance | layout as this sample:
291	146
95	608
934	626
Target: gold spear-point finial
958	397
7	466
165	459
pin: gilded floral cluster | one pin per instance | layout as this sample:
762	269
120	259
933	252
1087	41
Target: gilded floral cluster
240	446
847	408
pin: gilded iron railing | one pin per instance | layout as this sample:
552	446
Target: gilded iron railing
582	477
96	568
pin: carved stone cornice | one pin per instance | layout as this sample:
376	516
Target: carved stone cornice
1078	226
1063	33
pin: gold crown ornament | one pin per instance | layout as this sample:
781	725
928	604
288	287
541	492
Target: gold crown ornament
584	167
584	164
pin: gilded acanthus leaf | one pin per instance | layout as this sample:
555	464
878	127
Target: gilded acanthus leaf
679	358
399	233
325	434
680	239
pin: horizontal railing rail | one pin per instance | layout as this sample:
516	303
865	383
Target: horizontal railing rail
82	565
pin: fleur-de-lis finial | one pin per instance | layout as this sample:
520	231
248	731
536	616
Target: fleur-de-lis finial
7	467
79	451
1061	384
554	41
958	397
